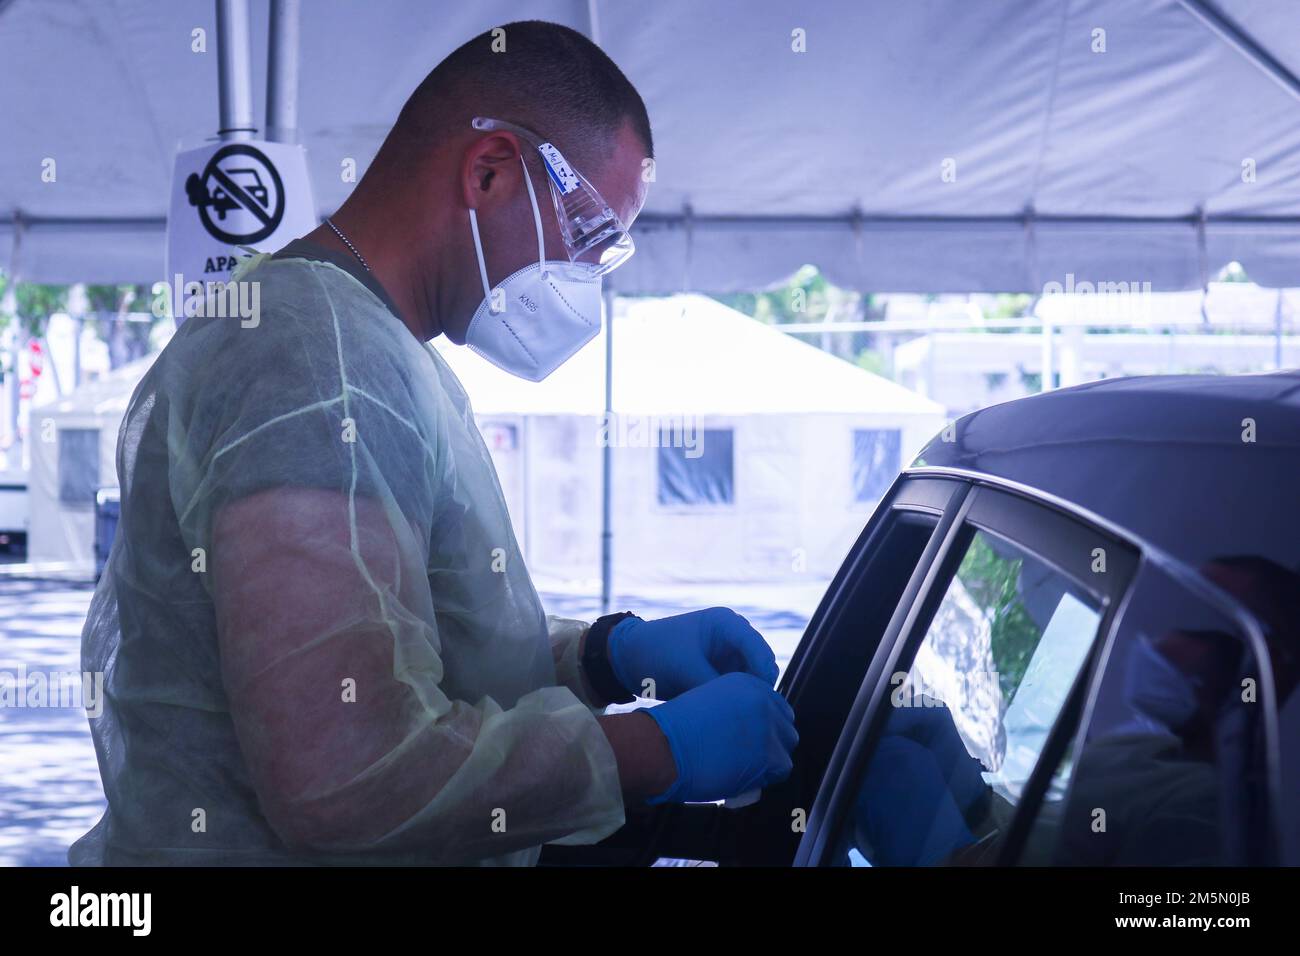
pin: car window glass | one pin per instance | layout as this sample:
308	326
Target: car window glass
1170	768
1038	699
969	719
1289	721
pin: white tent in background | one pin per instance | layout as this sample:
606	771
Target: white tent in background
797	447
781	450
73	444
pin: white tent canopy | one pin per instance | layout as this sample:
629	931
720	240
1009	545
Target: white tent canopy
1161	159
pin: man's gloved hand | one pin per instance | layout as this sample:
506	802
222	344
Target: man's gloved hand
728	736
687	650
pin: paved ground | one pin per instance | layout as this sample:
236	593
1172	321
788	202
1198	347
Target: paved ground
50	792
49	783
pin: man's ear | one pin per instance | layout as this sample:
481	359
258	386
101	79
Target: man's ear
488	168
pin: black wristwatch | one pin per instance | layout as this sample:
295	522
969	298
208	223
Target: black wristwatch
596	664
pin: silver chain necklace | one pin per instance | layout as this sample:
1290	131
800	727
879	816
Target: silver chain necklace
348	242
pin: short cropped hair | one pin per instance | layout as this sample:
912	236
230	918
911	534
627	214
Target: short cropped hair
542	76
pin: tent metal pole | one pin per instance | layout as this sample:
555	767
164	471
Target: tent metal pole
13	458
282	72
607	463
1277	332
1244	44
234	70
1048	357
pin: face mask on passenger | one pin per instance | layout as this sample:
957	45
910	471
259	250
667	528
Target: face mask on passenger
1158	690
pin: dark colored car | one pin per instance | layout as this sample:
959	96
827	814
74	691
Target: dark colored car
1069	635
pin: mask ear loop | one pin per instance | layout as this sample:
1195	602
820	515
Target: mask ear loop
537	223
478	250
537	218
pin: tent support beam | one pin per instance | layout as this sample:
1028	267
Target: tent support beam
1244	44
865	221
234	70
282	72
1020	323
660	220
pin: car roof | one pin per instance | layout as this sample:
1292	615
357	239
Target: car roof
1164	457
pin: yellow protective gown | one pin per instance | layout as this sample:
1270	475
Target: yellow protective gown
319	639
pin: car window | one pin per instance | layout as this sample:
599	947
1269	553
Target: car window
877	453
1169	769
1289	721
78	465
967	722
699	471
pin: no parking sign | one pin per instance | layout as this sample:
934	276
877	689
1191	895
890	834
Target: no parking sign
226	195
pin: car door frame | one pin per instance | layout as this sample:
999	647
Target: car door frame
911	617
989	498
709	831
943	493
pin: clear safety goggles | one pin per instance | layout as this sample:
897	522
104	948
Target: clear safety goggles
592	232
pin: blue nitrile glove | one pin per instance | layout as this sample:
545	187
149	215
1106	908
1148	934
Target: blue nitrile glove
727	736
687	650
904	814
933	728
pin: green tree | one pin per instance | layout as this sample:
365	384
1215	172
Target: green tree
109	307
874	362
809	297
33	305
993	582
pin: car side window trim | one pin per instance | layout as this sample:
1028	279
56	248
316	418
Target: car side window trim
925	494
1058	540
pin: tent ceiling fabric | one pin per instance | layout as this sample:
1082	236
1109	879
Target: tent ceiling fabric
766	158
